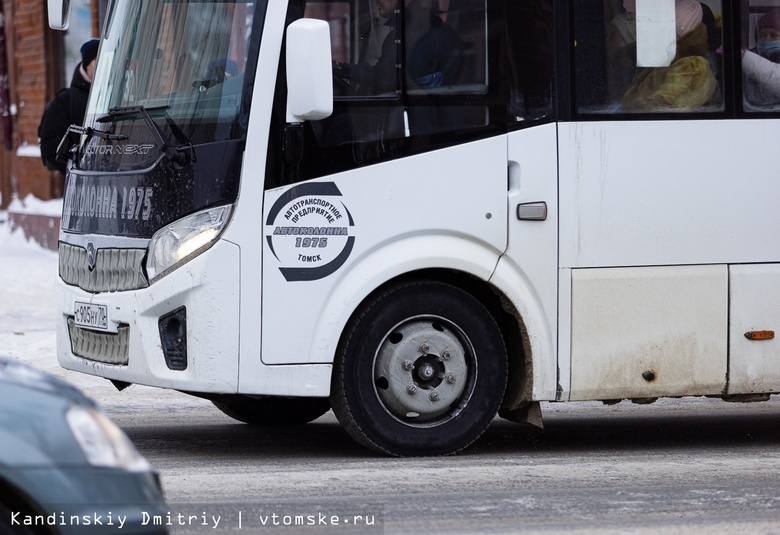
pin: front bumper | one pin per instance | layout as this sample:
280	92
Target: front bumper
129	349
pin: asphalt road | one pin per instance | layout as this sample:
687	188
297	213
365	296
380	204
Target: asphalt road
679	466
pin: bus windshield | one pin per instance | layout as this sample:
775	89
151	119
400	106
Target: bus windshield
189	58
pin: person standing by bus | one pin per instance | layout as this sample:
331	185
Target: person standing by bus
68	107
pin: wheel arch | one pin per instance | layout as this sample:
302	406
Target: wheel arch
509	321
473	266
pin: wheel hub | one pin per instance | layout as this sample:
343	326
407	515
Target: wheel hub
421	370
428	372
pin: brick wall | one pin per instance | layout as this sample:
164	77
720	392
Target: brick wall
31	47
35	53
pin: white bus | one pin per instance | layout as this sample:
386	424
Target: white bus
428	213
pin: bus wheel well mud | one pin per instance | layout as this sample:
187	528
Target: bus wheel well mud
519	387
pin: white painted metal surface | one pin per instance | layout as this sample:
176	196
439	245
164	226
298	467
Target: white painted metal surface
649	332
440	209
208	286
650	193
527	273
754	365
655	194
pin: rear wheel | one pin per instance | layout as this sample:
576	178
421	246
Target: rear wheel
272	411
422	370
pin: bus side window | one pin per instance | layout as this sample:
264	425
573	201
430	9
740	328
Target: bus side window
760	40
446	47
366	88
410	76
446	65
530	45
611	43
394	78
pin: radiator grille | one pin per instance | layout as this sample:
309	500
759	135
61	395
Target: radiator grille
115	269
108	348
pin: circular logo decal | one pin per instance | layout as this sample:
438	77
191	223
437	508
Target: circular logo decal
310	231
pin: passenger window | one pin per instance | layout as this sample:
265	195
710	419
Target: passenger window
760	41
648	56
402	68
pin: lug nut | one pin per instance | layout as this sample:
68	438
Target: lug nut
446	355
411	389
424	348
450	378
433	396
407	365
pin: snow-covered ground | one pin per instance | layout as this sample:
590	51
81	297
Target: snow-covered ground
27	273
33	205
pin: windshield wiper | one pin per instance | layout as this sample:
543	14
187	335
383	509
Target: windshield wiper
176	154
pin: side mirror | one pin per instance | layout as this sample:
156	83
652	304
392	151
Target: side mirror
59	14
309	71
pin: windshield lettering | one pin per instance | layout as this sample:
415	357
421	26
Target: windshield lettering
102	150
109	202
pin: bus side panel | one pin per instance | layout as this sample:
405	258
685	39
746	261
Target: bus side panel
754	364
649	332
442	209
645	193
655	193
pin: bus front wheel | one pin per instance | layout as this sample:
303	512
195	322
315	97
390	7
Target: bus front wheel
272	411
421	370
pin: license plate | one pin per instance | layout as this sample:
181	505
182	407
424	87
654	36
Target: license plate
90	315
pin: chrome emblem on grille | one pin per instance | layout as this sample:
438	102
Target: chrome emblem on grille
91	256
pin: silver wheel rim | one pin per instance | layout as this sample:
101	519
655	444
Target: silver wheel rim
424	371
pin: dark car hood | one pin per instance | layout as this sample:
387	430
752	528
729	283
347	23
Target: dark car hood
18	373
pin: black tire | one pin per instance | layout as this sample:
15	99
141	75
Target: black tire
272	411
421	370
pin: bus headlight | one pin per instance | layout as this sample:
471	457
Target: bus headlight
184	239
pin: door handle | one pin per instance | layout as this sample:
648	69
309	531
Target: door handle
532	211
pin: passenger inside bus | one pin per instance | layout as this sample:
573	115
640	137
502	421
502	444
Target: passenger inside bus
433	53
395	81
760	69
419	57
688	83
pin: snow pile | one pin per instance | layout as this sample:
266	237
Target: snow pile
34	205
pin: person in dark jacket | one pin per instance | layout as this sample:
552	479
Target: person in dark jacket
68	107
